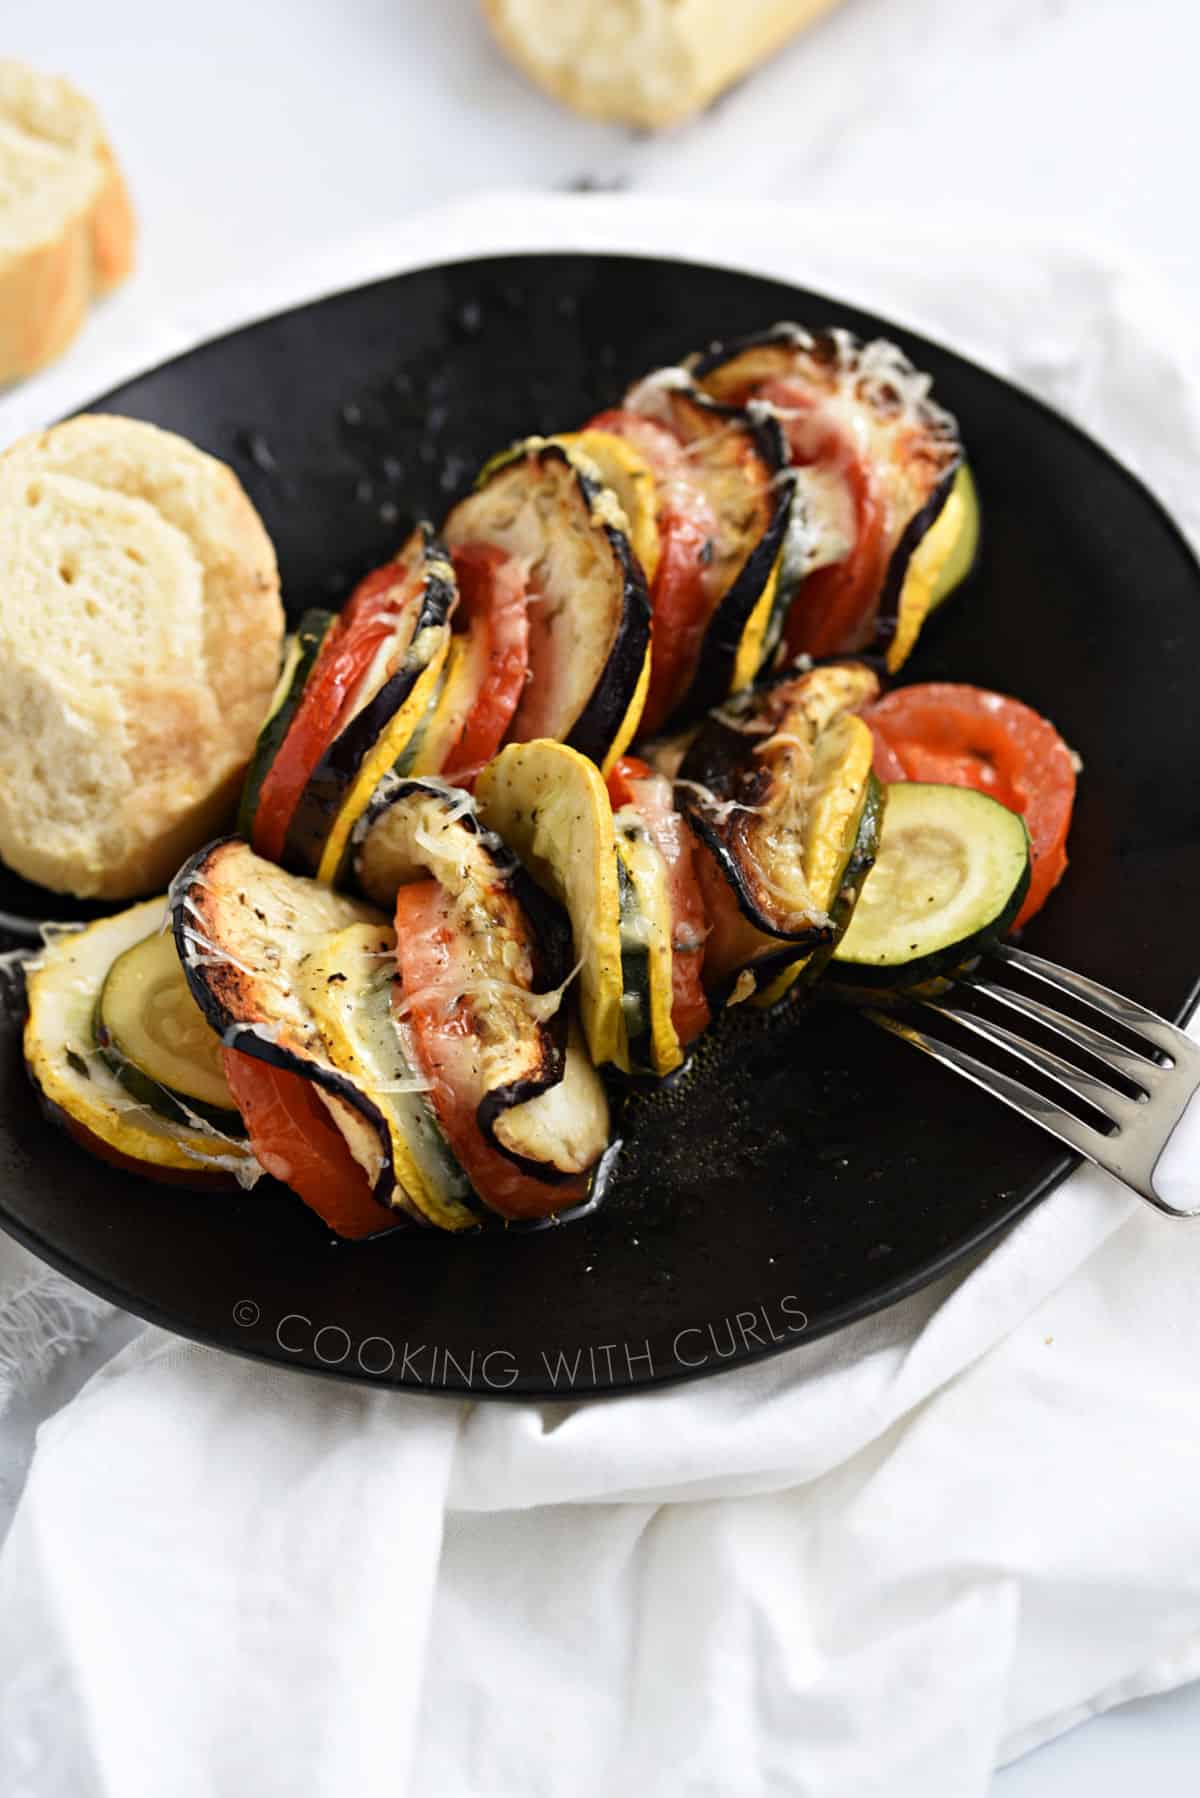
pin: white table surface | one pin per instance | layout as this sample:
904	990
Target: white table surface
249	127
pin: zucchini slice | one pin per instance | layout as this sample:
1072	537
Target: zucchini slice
550	805
636	933
646	948
774	788
517	941
950	877
155	1038
589	638
738	462
388	707
299	657
79	1089
246	932
873	396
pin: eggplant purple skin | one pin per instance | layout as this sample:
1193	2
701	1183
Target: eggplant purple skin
704	361
783	337
918	525
335	773
239	1036
550	937
608	703
713	678
596	727
716	759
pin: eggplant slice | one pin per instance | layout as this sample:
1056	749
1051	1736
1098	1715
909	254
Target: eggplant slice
550	805
78	1088
612	462
738	461
912	445
774	789
391	702
802	976
253	939
589	635
541	1103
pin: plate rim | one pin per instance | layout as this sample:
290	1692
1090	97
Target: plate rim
979	1239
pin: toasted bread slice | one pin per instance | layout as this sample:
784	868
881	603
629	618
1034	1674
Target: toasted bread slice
66	224
140	634
648	63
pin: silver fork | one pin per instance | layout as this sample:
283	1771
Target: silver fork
1165	1074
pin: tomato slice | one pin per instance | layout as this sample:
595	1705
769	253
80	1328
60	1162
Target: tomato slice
836	605
347	653
493	605
679	597
965	736
624	771
633	783
443	1038
297	1141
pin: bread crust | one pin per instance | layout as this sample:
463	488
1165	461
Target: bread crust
113	227
46	287
44	299
146	560
704	46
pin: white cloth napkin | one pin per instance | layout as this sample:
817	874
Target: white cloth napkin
879	1564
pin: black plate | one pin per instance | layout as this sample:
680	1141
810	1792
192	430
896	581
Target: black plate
804	1176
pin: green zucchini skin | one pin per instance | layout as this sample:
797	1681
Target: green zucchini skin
139	1024
635	978
299	661
160	1098
870	979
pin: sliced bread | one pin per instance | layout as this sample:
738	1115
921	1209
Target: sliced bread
648	63
140	635
66	224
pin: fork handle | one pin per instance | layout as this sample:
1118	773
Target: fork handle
1175	1179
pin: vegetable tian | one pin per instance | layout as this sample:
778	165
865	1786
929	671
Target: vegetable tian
610	752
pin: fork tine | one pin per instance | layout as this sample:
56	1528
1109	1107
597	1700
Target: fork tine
1136	1067
1114	1006
1033	1106
1113	1105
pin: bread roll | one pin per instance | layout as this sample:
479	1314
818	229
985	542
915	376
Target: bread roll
66	225
140	636
643	62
